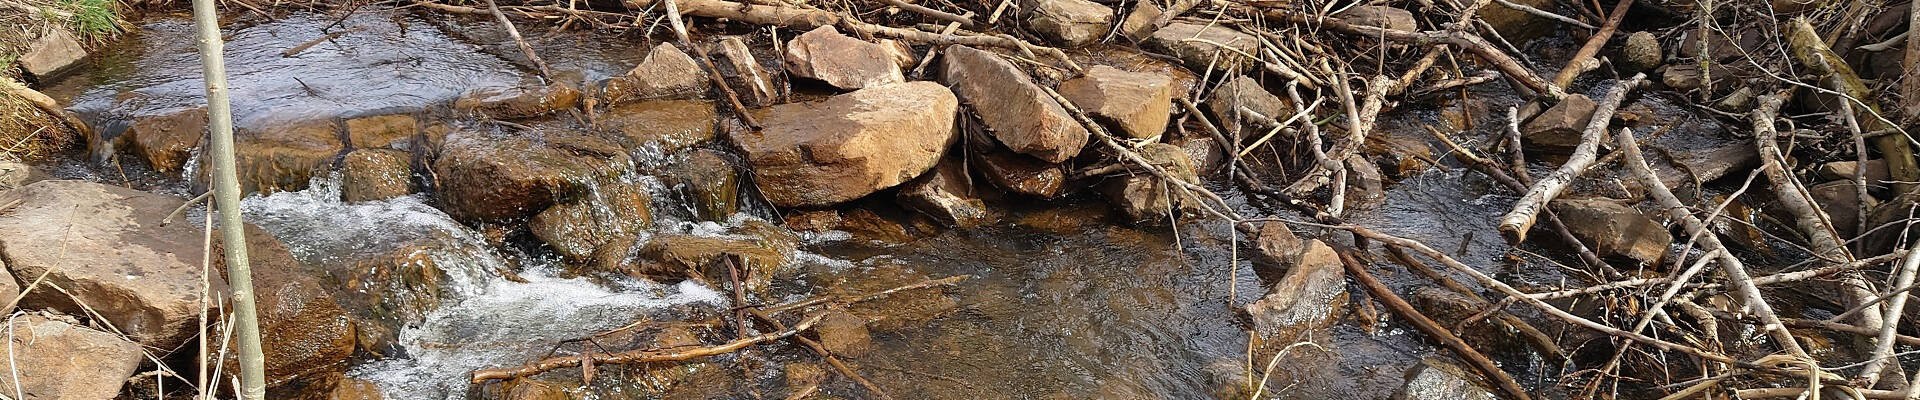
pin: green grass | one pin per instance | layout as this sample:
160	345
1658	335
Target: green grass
94	20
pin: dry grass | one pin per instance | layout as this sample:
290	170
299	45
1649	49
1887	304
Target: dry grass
27	132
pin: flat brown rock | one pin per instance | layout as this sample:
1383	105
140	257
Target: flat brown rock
1137	103
1018	112
850	145
52	359
840	60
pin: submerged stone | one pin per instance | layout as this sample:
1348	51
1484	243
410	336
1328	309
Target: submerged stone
376	174
663	126
283	158
709	182
608	212
1615	229
516	103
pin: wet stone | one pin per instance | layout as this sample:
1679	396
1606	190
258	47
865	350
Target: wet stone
1275	248
355	389
1518	26
844	334
709	182
607	212
1018	112
1145	198
840	60
284	158
1139	20
140	275
1206	153
1846	170
1492	335
1615	229
50	358
1557	130
1137	104
1399	154
1435	380
392	131
52	54
485	177
165	141
1070	23
1840	200
763	253
662	126
946	195
533	389
516	103
850	145
1198	54
1020	173
375	174
666	73
1306	298
306	336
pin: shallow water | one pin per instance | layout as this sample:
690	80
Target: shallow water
1063	302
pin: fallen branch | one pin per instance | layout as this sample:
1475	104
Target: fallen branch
1468	41
10	87
1359	122
521	42
638	356
1515	224
1583	59
1811	50
1380	291
935	14
808	18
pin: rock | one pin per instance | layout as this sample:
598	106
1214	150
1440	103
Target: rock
391	131
105	245
802	375
1206	153
661	126
1557	130
533	389
1687	75
52	54
840	60
1518	26
1401	154
1615	229
485	177
15	174
307	337
753	85
764	257
1275	247
666	73
55	359
1738	102
844	334
1139	20
1136	105
1244	92
607	212
355	389
1492	335
946	195
1434	380
1845	170
376	174
1841	202
166	140
1144	198
850	145
1198	54
709	182
516	103
1020	173
1070	23
1641	52
1365	182
283	158
1381	17
1018	112
1306	298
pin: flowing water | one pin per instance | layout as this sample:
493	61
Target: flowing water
1063	302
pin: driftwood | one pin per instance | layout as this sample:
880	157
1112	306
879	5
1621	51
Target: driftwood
1516	223
809	18
1583	60
1811	50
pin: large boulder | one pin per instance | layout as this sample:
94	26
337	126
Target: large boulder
485	177
55	359
107	247
1615	229
850	145
840	60
1071	23
52	54
1018	111
1135	104
284	158
1198	44
666	73
661	127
